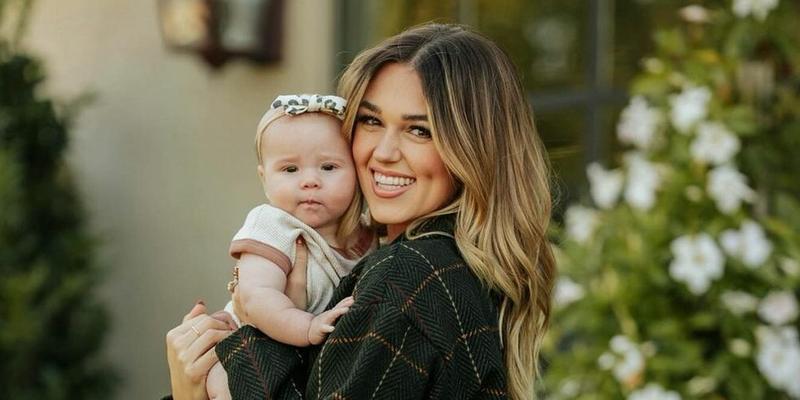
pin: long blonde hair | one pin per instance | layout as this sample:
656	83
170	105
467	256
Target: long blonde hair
483	129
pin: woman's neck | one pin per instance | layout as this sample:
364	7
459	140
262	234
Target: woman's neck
395	230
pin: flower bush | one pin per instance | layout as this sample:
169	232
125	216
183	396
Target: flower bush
682	279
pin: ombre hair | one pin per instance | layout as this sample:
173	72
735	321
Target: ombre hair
350	222
483	129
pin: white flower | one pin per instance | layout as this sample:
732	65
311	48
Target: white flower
569	388
700	385
697	261
778	357
567	292
694	13
643	180
606	361
740	347
790	266
793	388
689	107
653	65
778	308
639	124
604	185
738	302
653	392
714	144
748	244
758	8
627	361
581	223
693	193
728	187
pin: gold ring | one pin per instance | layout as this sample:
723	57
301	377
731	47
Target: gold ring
194	328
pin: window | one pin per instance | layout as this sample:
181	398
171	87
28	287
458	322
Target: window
575	58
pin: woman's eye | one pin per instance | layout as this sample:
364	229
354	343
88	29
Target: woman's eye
290	169
328	167
368	120
420	132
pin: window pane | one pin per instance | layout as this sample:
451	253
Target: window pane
575	58
631	43
366	22
546	39
562	134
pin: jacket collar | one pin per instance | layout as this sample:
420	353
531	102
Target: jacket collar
441	225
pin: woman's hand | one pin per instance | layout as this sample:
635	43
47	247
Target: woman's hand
296	285
190	351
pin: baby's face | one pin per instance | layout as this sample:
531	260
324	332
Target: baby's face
307	169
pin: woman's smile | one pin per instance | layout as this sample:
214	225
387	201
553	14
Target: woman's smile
389	184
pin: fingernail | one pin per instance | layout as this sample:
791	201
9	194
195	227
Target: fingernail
200	301
300	240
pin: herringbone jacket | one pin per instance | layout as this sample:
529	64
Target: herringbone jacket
422	326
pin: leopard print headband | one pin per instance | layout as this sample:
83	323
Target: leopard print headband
294	104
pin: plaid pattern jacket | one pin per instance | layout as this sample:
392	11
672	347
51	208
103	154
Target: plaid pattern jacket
422	326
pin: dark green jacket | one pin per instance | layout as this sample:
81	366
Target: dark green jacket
422	326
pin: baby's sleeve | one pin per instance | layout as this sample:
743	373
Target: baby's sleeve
265	233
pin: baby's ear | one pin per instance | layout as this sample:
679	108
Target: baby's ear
262	178
260	169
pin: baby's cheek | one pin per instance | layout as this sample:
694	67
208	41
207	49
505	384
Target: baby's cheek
344	189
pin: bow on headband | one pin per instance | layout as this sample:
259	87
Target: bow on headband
293	104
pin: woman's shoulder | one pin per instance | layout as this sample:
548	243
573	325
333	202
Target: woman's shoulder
428	281
407	261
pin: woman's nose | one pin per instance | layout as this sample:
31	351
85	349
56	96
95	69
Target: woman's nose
387	149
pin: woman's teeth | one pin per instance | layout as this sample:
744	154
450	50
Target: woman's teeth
395	181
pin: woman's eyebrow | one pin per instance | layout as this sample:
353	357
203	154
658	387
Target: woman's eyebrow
407	117
415	117
370	106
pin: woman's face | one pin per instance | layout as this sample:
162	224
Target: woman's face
400	171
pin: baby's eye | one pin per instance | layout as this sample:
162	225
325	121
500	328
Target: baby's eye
328	167
289	168
420	132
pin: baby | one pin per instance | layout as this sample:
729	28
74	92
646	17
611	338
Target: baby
307	172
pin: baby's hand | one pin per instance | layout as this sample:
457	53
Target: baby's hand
322	324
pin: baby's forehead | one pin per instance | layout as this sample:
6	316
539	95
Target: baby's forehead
307	118
315	124
302	154
318	136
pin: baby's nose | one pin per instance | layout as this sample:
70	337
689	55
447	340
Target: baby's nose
310	181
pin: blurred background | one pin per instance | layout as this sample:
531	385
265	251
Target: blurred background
156	103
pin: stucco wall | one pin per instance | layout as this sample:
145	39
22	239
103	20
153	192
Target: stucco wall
164	157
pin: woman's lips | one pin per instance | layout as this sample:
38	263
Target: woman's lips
387	186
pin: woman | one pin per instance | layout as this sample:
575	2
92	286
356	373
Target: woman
456	305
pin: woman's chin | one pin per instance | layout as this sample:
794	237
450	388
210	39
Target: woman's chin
388	217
